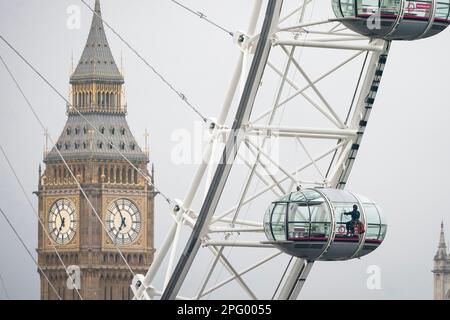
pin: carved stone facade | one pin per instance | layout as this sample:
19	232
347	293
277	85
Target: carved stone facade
442	270
94	145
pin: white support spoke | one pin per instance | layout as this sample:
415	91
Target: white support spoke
238	221
176	238
255	37
326	45
338	24
316	90
260	175
224	261
233	272
302	7
251	268
157	262
250	143
337	39
307	98
310	157
258	161
244	244
295	279
315	183
302	26
302	90
341	161
272	115
222	216
210	272
302	135
340	34
234	230
229	221
245	190
302	132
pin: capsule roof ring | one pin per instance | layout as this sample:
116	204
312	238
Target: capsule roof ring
394	19
318	224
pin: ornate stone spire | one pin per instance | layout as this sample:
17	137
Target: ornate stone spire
97	94
97	62
441	253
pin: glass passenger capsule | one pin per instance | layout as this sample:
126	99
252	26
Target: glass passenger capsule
321	224
394	19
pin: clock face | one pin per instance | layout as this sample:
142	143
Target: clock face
62	221
123	221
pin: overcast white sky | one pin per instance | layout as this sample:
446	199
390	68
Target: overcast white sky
402	164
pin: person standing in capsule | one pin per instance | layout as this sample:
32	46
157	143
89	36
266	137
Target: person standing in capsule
355	214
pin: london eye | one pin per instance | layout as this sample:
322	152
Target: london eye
270	195
317	114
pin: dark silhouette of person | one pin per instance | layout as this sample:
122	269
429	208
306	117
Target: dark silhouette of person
355	218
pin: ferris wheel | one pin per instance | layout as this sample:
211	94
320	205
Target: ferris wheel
269	196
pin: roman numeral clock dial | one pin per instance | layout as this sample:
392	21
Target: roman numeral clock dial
123	221
62	221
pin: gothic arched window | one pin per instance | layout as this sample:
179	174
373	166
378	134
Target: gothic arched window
113	100
117	175
107	99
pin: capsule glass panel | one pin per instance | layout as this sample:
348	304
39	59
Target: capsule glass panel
324	224
278	221
346	241
394	19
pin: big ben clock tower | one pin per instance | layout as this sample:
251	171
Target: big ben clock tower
121	196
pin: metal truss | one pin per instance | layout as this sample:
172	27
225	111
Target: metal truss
306	88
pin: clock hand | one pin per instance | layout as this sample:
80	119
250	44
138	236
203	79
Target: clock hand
63	223
60	216
122	223
120	212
